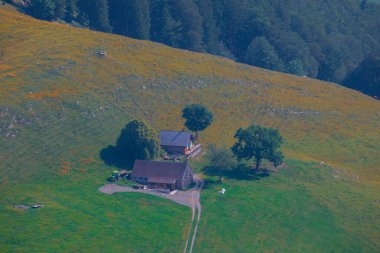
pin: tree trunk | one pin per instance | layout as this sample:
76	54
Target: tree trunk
196	134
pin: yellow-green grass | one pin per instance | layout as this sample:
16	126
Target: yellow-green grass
56	69
63	102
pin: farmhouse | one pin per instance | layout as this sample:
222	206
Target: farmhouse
177	142
158	174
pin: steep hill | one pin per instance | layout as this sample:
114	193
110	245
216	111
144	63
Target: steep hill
62	102
326	40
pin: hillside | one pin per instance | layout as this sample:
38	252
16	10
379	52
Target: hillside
62	103
327	40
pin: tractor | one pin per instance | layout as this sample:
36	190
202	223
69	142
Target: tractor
114	177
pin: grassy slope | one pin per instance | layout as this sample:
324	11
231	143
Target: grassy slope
63	102
303	208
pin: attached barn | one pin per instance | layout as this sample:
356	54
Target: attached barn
159	174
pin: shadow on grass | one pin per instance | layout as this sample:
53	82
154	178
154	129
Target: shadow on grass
241	172
112	156
208	183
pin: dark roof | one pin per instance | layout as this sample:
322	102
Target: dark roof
175	138
159	172
161	180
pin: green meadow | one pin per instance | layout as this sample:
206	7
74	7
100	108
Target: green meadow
78	218
62	105
302	208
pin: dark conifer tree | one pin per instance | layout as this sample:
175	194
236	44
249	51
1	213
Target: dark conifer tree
60	9
96	11
98	16
138	18
191	29
118	16
164	28
83	16
71	10
42	9
157	8
211	31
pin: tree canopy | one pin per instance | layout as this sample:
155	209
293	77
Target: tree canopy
262	54
366	77
197	117
138	141
42	9
259	143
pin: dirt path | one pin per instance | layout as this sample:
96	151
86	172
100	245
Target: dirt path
180	197
189	198
197	205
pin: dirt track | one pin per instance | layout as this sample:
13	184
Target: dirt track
190	198
196	205
181	197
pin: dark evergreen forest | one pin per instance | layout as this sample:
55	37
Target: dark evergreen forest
332	40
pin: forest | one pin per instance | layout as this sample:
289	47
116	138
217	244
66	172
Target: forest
329	40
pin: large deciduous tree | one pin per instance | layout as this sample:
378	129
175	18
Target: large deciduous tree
259	143
198	118
261	53
138	141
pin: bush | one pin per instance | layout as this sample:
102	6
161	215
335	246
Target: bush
221	159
